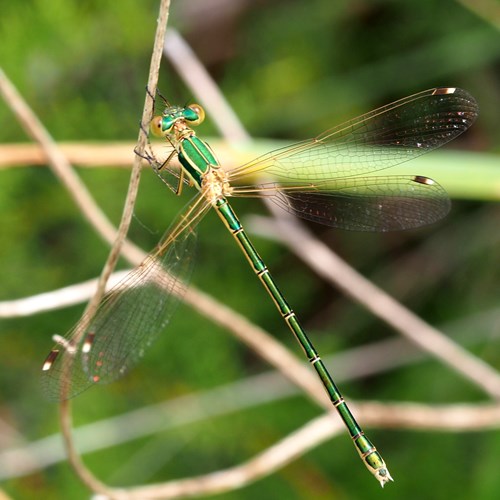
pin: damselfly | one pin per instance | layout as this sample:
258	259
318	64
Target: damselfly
335	179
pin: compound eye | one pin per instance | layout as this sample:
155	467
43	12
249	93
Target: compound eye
198	114
156	126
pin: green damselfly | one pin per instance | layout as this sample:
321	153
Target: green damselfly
333	179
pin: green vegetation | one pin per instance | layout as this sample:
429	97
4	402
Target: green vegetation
290	69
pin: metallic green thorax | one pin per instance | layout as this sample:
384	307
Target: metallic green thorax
196	157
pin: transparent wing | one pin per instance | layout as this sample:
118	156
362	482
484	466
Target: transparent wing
387	203
130	317
330	179
383	138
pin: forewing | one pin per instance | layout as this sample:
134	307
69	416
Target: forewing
383	138
128	320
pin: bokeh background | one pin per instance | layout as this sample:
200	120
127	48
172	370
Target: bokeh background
290	69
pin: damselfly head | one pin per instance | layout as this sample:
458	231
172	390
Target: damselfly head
162	126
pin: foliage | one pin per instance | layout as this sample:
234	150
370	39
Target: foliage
290	68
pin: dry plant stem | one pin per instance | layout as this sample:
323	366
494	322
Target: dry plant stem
37	455
64	172
273	458
87	154
101	154
141	144
57	161
450	418
65	408
327	264
262	343
56	299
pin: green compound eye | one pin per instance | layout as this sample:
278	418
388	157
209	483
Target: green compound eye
161	125
194	113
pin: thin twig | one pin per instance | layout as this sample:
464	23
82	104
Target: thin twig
102	154
87	154
56	159
353	364
312	434
65	407
55	299
450	418
63	170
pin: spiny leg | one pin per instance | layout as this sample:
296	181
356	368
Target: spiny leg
159	166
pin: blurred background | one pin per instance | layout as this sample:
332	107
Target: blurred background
290	69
